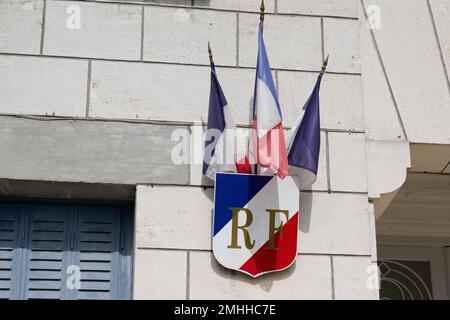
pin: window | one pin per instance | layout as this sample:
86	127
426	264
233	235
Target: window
58	251
405	280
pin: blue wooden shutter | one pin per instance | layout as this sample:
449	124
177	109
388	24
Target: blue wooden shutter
100	240
10	251
47	254
39	242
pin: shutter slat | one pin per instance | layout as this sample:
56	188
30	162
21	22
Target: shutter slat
94	266
45	284
47	255
95	256
7	244
89	275
44	294
95	286
7	224
42	235
5	294
93	295
48	245
5	274
7	235
46	265
95	227
4	284
44	275
5	264
6	254
48	226
95	246
96	236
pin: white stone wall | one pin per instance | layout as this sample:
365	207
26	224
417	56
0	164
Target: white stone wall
148	62
406	90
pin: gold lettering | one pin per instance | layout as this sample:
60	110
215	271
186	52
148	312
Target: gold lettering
235	227
273	229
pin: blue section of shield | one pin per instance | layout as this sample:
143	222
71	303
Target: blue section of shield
234	191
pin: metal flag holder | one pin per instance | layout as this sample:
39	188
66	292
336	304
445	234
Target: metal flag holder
261	19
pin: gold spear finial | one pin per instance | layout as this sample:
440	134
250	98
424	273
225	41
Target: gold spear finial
262	8
325	64
210	54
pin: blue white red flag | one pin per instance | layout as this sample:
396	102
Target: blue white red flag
304	147
268	144
219	153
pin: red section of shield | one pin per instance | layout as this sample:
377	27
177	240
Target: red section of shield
264	260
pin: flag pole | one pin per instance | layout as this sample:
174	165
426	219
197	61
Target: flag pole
211	60
261	14
325	64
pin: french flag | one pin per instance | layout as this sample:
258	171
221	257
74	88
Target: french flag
268	144
304	147
219	153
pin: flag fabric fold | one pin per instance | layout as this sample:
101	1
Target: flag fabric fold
267	145
267	141
219	150
221	153
304	147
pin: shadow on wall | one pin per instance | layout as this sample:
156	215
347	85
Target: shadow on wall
305	206
265	281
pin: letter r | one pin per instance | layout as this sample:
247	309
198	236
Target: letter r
235	228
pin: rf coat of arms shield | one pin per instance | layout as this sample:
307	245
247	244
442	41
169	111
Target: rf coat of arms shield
255	222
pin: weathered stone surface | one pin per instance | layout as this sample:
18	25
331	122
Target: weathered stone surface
380	115
334	224
341	103
347	153
237	5
159	209
418	80
441	15
352	278
341	8
309	278
341	42
175	92
88	151
181	35
111	31
159	275
35	85
291	42
20	27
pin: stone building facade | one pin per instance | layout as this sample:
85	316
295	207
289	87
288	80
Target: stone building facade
91	92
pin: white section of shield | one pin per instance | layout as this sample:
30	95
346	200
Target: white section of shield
267	115
277	194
